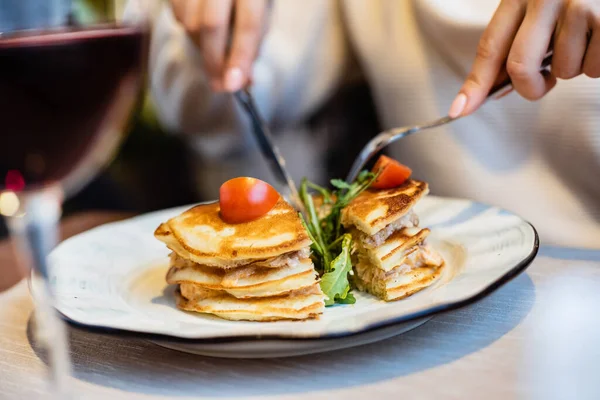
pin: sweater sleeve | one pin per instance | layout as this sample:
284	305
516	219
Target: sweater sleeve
302	60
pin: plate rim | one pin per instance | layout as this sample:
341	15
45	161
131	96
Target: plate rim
430	312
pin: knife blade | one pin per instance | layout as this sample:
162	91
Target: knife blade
284	182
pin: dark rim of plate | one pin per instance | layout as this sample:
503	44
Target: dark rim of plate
514	272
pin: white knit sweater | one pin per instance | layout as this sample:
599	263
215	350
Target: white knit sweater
540	160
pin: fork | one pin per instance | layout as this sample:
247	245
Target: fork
387	137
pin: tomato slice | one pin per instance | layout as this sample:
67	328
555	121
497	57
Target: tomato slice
391	173
245	199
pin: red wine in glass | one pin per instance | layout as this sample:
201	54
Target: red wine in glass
66	95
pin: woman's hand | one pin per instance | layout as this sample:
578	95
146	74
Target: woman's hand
518	37
228	33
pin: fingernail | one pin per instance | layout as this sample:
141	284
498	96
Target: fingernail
458	105
234	79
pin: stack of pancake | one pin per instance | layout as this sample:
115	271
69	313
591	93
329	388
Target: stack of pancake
258	271
392	260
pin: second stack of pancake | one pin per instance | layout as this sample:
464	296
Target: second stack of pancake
392	260
259	270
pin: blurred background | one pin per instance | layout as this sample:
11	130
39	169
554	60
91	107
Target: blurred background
153	168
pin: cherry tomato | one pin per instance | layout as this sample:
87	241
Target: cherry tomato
391	173
245	199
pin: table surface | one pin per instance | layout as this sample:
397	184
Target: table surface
537	337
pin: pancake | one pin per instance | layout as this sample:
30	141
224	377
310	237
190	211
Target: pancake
395	249
404	285
391	260
246	281
419	270
374	210
200	235
302	304
257	271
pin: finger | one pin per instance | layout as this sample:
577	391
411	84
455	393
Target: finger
191	18
178	7
248	28
492	51
549	79
529	48
591	63
570	41
213	38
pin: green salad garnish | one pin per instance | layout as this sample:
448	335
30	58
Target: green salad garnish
332	246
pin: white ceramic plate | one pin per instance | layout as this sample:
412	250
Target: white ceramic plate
112	278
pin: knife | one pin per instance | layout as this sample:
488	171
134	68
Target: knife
284	182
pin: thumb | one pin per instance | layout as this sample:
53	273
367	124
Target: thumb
492	52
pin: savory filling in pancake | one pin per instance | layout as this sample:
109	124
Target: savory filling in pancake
300	304
246	281
258	270
392	260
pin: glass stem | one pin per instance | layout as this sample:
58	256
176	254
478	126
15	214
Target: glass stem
35	231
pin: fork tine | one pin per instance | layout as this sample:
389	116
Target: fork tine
380	141
375	145
383	139
360	161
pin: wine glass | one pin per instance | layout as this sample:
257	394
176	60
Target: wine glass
68	87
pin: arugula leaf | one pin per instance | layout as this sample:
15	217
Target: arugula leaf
335	283
315	244
322	191
331	246
340	184
350	299
314	225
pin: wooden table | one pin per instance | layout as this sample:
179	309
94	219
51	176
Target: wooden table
538	337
